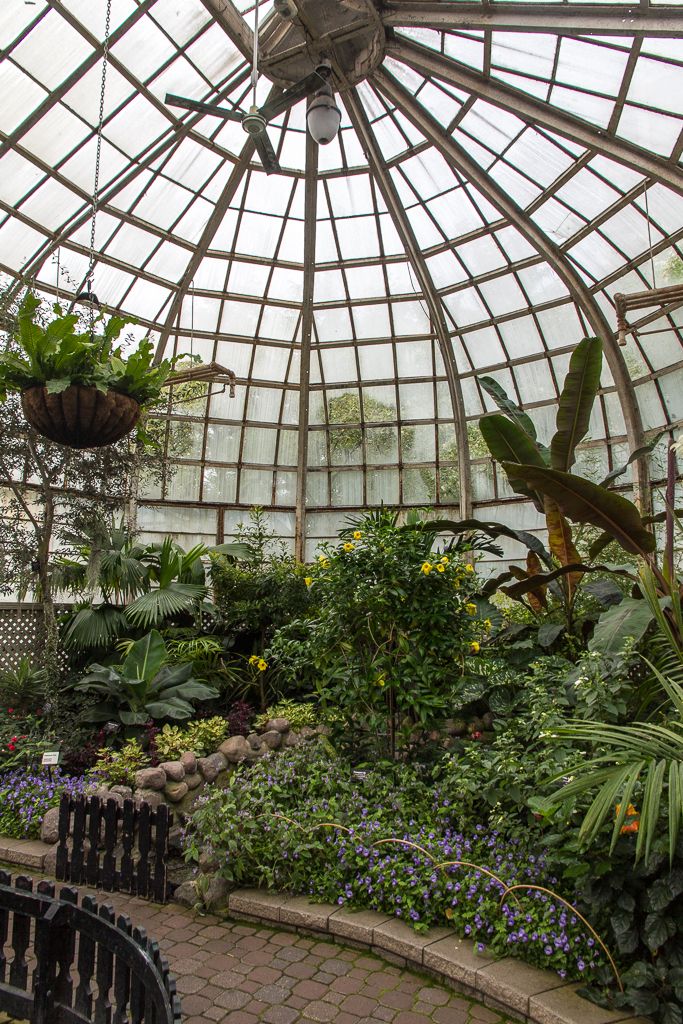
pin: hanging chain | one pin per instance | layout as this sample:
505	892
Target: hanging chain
98	155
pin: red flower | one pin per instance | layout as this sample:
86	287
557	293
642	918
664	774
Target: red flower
10	711
476	735
10	746
14	739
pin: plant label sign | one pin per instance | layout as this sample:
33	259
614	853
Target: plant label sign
50	757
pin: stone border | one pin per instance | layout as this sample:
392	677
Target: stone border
508	985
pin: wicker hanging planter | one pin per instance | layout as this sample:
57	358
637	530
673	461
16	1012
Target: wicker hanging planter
80	417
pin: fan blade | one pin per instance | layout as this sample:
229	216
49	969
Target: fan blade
264	148
204	108
291	96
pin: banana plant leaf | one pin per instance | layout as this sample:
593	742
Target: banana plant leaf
628	618
172	675
576	402
510	445
491	530
601	542
133	717
645	449
586	502
507	406
145	658
191	690
172	708
532	583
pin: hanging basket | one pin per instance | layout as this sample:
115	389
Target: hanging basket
80	417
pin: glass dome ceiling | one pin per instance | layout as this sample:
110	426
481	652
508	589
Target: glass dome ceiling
501	172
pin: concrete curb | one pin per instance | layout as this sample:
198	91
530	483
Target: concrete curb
508	985
25	853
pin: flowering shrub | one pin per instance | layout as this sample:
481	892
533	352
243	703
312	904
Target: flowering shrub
25	796
390	635
297	713
347	862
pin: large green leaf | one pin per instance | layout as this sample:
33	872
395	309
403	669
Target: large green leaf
172	675
645	449
629	618
164	602
507	406
93	627
458	526
145	658
511	445
576	402
586	502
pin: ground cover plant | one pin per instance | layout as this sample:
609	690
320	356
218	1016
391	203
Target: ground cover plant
26	795
272	827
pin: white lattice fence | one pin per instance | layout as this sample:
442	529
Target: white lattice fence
21	633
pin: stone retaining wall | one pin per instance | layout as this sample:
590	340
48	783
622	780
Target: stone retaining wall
179	783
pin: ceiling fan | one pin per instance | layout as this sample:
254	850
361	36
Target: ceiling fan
255	120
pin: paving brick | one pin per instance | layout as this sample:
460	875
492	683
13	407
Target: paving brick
320	1011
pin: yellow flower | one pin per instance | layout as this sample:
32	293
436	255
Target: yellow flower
449	913
262	665
426	568
308	580
440	568
357	535
471	609
349	546
469	567
323	561
445	560
381	681
475	647
487	623
254	659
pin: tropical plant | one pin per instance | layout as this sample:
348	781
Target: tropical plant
202	737
542	474
23	688
56	356
391	630
180	585
640	763
299	714
144	686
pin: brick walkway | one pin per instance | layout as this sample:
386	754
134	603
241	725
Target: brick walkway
236	973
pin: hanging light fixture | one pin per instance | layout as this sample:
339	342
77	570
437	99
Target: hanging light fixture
323	116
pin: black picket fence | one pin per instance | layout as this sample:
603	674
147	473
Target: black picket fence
116	848
61	963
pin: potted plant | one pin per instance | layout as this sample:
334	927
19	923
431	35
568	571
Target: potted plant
77	388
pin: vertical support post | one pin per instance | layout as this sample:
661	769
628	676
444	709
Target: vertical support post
310	215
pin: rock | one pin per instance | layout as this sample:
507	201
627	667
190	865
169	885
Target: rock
149	796
186	894
125	791
111	794
236	748
322	730
456	726
306	732
272	739
280	724
223	779
292	739
262	750
175	771
175	842
150	778
209	863
189	762
208	768
175	791
215	896
50	862
192	781
254	740
49	830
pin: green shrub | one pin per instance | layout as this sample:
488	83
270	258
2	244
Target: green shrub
202	737
297	713
118	767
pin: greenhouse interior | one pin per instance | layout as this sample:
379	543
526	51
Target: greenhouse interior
341	575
